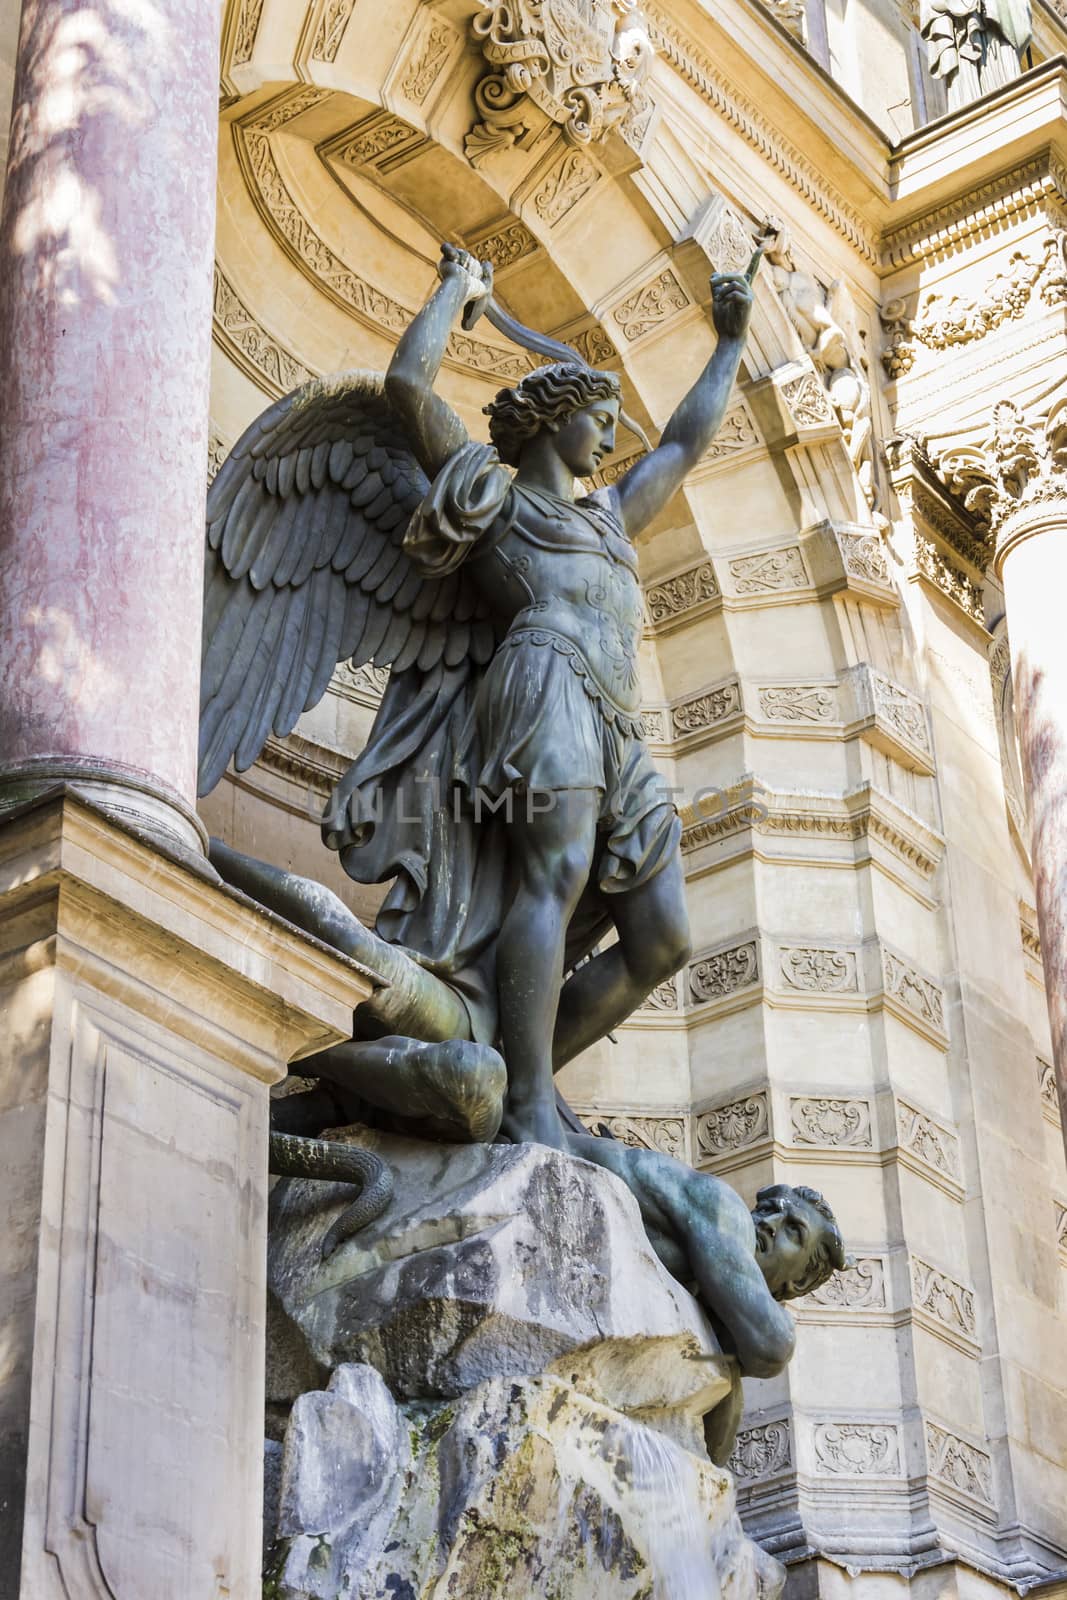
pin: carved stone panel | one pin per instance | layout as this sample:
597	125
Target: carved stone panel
860	1287
807	401
333	20
769	572
815	971
427	62
857	1449
916	993
667	1134
670	600
664	997
928	1142
647	308
716	976
942	1298
864	556
504	245
762	1452
734	1126
703	711
958	1464
1046	1080
799	702
569	181
833	1123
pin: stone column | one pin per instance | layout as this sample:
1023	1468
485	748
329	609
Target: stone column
1031	561
105	323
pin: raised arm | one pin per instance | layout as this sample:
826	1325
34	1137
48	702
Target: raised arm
435	430
648	486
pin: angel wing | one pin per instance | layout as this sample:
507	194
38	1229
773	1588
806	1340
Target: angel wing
306	566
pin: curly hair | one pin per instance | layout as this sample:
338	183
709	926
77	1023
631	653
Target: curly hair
829	1255
551	394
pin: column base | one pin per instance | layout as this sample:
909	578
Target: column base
146	1014
132	797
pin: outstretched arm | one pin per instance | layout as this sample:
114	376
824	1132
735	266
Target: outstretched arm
648	486
436	432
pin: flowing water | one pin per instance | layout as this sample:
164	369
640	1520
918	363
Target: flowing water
667	1485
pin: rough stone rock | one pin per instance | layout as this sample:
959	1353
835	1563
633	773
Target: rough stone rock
491	1261
524	1488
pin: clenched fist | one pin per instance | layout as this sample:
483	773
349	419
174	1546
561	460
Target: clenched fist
731	304
477	276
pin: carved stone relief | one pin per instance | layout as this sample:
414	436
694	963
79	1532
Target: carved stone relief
950	579
704	710
568	182
580	64
1046	1080
379	135
761	1452
330	29
665	1134
795	702
737	432
902	710
654	724
1021	462
816	971
366	684
426	64
928	1141
650	306
942	1298
962	1466
838	1124
505	244
675	596
769	572
275	369
857	1449
807	401
860	1287
1060	1222
716	976
864	556
217	451
614	470
734	1126
918	994
664	997
244	35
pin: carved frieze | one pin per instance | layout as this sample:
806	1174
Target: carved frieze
568	182
612	471
733	1127
798	702
941	1297
426	64
1046	1082
960	1465
903	711
703	711
648	307
807	401
217	451
640	1131
330	29
1019	464
719	975
920	996
830	1122
287	107
859	1287
505	244
864	556
761	1452
664	997
595	348
928	1142
654	724
365	684
249	13
950	579
670	600
272	366
1059	1213
816	971
737	433
376	137
580	64
857	1449
770	572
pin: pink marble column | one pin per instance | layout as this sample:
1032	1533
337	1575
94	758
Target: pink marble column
1032	563
106	246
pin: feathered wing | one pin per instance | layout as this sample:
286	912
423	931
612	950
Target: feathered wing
306	567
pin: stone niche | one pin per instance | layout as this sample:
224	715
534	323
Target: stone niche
495	1389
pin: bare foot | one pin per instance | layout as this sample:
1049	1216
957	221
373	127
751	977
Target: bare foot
534	1122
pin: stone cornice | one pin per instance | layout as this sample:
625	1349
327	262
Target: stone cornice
1037	185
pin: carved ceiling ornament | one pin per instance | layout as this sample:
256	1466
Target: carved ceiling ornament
580	64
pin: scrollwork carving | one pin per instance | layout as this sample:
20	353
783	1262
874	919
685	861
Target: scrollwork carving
674	596
335	17
807	401
820	971
857	1449
664	997
795	702
704	710
665	1134
942	1298
280	370
651	305
761	1452
716	976
913	991
244	34
504	245
734	1126
961	1465
833	1123
566	184
770	571
864	556
859	1287
580	64
427	62
947	577
928	1141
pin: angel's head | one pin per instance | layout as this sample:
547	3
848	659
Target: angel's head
576	404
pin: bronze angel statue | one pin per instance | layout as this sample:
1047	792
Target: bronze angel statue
505	789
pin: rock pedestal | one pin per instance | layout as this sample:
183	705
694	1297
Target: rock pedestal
516	1394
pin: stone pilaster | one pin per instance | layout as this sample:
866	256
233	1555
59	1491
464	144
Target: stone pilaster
146	1014
105	327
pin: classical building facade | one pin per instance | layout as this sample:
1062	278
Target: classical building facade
874	845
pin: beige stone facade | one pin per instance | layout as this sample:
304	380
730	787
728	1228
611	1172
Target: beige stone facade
826	668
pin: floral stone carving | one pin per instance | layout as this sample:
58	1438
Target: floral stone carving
581	64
